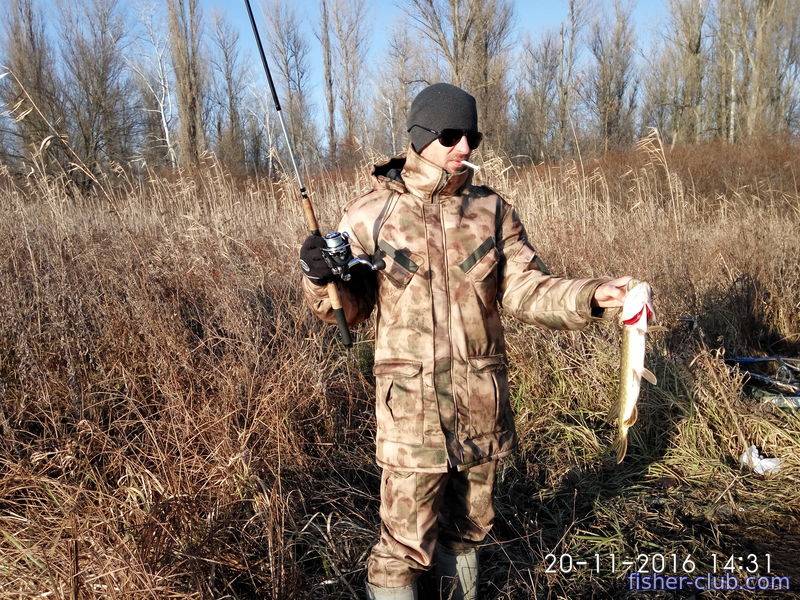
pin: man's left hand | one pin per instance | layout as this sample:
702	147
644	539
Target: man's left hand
612	293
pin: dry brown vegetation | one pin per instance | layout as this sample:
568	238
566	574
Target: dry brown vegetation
175	424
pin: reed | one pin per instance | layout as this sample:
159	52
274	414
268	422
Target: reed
175	424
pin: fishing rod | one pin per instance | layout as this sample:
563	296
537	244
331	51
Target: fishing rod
337	252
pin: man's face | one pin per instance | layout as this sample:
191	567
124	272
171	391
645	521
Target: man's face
447	157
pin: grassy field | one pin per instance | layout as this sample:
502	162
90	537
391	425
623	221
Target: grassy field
175	424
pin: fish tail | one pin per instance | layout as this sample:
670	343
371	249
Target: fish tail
621	447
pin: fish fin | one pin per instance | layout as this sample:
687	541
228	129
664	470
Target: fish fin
634	417
648	375
621	447
613	412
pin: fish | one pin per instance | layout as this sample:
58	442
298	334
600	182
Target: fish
637	310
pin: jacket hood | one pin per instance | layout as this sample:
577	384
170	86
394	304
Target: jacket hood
410	172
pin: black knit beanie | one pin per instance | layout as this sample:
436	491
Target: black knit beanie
440	106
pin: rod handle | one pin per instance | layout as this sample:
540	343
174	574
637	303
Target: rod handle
338	311
308	213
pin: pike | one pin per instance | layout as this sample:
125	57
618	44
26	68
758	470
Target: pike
636	310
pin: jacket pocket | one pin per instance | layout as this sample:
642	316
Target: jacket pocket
398	410
487	383
400	264
482	262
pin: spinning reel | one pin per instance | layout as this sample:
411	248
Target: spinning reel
339	256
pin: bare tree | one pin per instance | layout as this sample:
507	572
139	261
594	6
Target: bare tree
155	88
687	20
185	31
488	65
449	27
290	51
230	137
28	55
768	32
568	54
611	92
544	101
405	60
660	84
536	99
757	28
790	104
723	72
260	139
255	147
324	36
98	90
349	25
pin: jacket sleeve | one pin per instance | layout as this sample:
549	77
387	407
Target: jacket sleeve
357	295
530	293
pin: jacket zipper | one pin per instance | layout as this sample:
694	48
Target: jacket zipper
434	197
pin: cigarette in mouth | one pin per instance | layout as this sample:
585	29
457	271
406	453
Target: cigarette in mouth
470	165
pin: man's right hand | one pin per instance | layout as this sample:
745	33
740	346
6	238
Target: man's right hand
313	263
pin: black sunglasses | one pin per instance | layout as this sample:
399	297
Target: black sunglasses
450	137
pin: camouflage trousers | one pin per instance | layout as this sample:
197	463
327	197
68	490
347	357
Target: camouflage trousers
418	509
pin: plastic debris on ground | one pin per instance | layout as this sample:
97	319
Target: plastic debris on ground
763	466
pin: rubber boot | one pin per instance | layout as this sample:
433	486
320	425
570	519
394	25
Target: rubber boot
381	593
459	573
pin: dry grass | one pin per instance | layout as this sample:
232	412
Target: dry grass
175	424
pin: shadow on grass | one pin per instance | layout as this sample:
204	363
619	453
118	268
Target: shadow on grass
533	521
603	505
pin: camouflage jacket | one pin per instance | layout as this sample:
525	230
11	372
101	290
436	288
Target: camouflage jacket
455	253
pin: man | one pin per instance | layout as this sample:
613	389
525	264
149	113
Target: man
455	253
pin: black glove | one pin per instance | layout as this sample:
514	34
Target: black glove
312	262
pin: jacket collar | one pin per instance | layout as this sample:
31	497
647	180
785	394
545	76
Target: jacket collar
422	178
